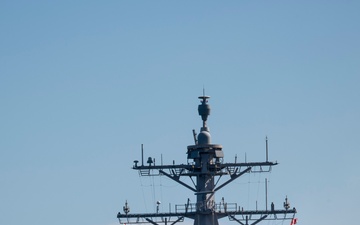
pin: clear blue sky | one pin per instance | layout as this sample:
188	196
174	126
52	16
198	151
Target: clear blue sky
84	83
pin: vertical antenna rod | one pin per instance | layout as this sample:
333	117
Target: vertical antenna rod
267	150
142	154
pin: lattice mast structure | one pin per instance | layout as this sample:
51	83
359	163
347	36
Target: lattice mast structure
205	171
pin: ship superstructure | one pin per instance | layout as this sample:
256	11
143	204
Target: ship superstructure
205	168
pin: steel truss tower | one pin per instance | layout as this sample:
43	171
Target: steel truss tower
207	165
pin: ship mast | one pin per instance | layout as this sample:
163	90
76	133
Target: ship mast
207	165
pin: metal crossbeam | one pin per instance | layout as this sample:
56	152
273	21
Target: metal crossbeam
233	177
176	178
247	215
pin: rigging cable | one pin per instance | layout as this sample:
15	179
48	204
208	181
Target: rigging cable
143	194
153	192
161	192
258	187
249	182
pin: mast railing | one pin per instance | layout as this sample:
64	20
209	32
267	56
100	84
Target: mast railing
217	169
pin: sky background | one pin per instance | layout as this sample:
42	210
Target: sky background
84	83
